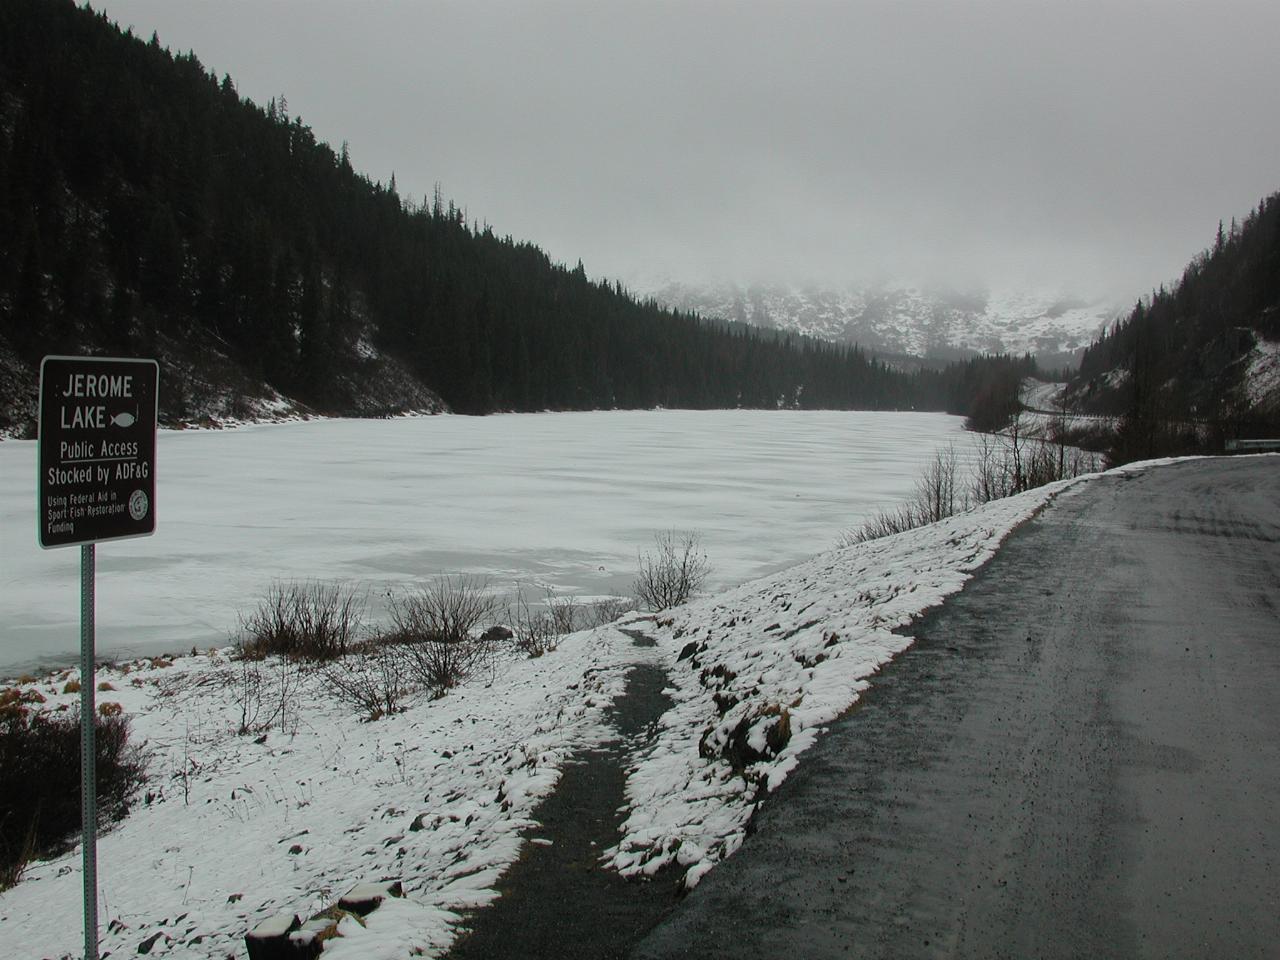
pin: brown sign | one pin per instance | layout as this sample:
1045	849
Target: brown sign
97	449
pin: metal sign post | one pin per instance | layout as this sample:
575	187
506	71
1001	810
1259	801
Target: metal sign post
95	481
88	755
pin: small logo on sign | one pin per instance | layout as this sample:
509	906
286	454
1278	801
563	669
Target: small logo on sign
138	505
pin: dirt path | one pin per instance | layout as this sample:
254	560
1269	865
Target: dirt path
1080	756
557	901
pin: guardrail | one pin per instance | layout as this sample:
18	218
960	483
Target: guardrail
1252	446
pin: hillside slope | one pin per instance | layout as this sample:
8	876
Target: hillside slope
1206	353
154	211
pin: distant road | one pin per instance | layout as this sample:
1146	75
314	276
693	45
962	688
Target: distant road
1079	758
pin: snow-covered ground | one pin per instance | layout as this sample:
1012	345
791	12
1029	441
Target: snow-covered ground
233	830
552	500
1262	374
441	795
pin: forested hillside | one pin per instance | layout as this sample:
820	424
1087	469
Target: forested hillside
1201	359
151	210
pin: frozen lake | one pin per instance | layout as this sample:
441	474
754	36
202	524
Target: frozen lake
560	501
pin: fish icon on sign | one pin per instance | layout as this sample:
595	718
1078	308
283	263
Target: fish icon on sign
125	419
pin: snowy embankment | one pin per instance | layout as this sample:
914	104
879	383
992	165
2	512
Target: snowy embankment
759	671
235	829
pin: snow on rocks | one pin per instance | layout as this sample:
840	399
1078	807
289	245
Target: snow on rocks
1261	380
758	671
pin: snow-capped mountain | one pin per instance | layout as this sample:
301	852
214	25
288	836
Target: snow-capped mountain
917	321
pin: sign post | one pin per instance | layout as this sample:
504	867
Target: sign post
88	755
96	479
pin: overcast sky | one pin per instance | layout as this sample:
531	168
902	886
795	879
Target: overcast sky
1088	146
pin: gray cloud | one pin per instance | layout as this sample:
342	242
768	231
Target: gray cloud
1091	144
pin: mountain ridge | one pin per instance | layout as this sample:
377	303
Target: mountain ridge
916	320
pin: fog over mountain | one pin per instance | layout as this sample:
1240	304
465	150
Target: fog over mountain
1088	146
921	321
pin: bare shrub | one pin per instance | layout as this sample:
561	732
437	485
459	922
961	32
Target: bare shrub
533	630
16	852
673	572
40	781
937	496
884	523
268	696
436	628
990	479
440	665
1003	465
1013	462
374	680
305	621
563	612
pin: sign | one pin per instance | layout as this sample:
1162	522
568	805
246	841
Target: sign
97	450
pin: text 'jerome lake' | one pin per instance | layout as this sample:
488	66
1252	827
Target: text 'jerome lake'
99	387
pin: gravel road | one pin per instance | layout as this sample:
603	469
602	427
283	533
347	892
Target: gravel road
1080	757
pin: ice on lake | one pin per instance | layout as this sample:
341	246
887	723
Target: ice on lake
555	501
